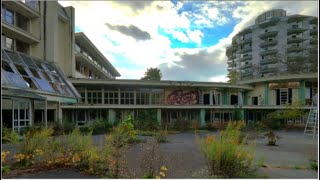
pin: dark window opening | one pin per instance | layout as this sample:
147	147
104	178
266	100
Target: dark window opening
22	22
234	99
21	70
6	67
254	100
29	82
206	99
35	73
22	47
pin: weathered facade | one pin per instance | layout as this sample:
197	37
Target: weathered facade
50	73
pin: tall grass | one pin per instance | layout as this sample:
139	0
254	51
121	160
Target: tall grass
227	155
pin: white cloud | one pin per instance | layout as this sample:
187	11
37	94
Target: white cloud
92	16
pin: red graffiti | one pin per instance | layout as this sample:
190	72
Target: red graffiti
178	97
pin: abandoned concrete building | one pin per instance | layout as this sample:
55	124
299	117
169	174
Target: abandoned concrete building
52	74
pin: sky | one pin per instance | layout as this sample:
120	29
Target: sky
186	40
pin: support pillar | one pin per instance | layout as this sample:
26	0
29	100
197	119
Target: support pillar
302	91
159	116
59	113
242	114
111	116
225	94
45	113
210	98
202	118
266	93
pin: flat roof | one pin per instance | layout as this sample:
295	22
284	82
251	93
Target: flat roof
283	78
162	83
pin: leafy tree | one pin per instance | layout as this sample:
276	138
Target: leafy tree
152	74
233	77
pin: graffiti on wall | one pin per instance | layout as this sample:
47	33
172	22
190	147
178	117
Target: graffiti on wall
179	97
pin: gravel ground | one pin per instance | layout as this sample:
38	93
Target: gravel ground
185	159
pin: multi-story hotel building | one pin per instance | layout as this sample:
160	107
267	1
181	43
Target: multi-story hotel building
275	45
50	73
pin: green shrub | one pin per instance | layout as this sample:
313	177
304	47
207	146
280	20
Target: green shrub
65	127
147	133
100	126
147	120
162	137
9	136
181	125
226	158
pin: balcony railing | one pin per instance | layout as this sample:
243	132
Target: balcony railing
231	49
268	34
270	60
246	66
246	40
269	52
313	32
295	40
296	58
246	49
295	30
245	58
270	22
268	70
295	49
268	43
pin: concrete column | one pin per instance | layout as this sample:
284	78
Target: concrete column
302	91
266	93
159	116
111	116
85	95
242	114
225	98
211	101
45	113
59	113
245	98
202	118
102	95
119	98
134	97
240	98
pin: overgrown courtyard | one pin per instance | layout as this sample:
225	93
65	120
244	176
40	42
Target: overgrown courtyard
125	152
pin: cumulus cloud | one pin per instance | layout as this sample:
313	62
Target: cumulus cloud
133	32
130	30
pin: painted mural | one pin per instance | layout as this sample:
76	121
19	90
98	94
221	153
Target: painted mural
180	97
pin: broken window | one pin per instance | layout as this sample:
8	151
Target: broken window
5	66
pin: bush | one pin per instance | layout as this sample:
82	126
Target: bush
9	136
147	120
65	127
161	137
100	126
181	125
226	158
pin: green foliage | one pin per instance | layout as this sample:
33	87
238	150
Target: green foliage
152	74
226	157
99	126
5	169
9	136
147	120
233	77
147	133
65	127
162	137
181	125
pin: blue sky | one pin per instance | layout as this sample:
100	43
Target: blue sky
185	39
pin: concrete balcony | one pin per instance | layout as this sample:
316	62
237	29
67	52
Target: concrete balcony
19	33
299	58
22	8
268	34
245	41
295	49
245	58
295	30
97	68
313	41
296	18
270	22
295	40
268	52
313	32
246	66
232	64
231	49
246	49
314	21
269	70
268	43
271	60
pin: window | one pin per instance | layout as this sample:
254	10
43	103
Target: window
295	26
254	100
111	97
266	30
33	4
22	47
8	15
6	67
284	96
22	21
94	97
8	43
142	98
126	97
